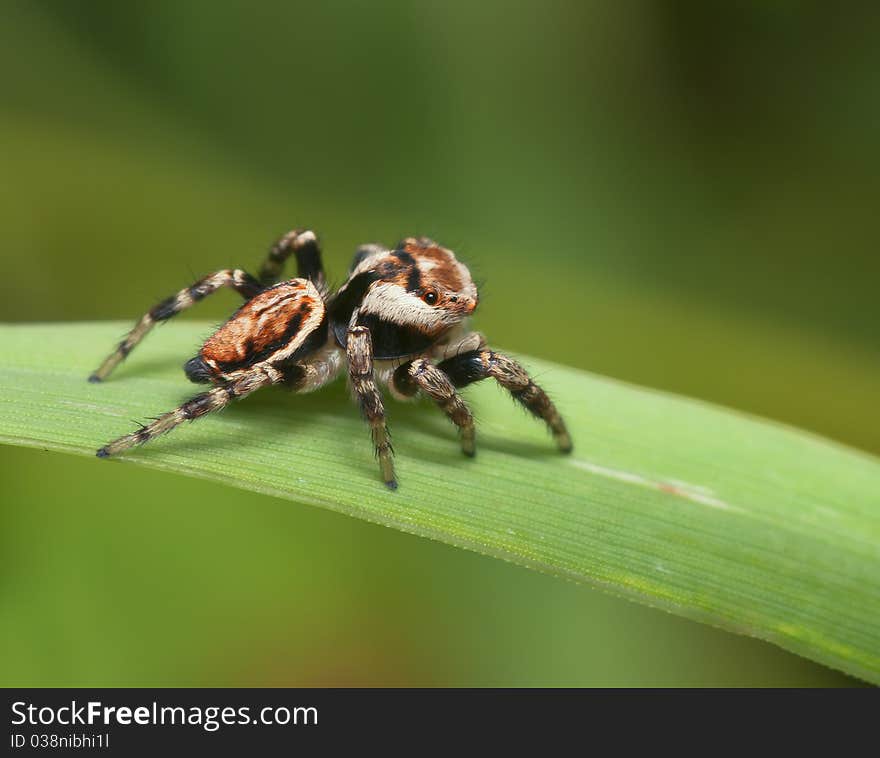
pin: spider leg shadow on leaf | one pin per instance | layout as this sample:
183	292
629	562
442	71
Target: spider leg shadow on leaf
413	423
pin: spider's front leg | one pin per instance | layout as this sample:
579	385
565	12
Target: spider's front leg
303	244
241	281
359	349
424	376
213	400
476	365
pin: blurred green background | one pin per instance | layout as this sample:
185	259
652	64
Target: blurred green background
685	192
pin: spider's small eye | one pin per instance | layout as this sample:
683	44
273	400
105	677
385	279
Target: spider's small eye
431	297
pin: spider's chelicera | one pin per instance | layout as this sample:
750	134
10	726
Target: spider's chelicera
399	320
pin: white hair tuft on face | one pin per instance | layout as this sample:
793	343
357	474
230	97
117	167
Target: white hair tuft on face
392	303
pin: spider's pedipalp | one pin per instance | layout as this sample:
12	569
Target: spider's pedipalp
476	365
241	281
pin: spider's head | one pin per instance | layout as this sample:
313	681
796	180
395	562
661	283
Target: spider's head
420	285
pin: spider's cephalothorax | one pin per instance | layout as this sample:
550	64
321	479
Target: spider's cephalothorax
399	320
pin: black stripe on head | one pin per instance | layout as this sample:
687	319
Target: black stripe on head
404	261
404	257
414	280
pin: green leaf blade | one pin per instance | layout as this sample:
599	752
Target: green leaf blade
705	512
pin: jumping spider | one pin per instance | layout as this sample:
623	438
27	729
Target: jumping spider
400	318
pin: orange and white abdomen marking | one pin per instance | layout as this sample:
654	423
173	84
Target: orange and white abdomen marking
272	326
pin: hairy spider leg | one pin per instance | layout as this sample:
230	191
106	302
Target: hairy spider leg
241	281
207	402
303	244
365	251
409	378
363	383
477	365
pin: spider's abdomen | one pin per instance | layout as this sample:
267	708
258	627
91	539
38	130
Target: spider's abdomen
279	325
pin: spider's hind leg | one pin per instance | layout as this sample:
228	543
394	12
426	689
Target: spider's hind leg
236	279
476	365
207	402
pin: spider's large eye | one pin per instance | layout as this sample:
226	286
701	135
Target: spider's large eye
431	297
